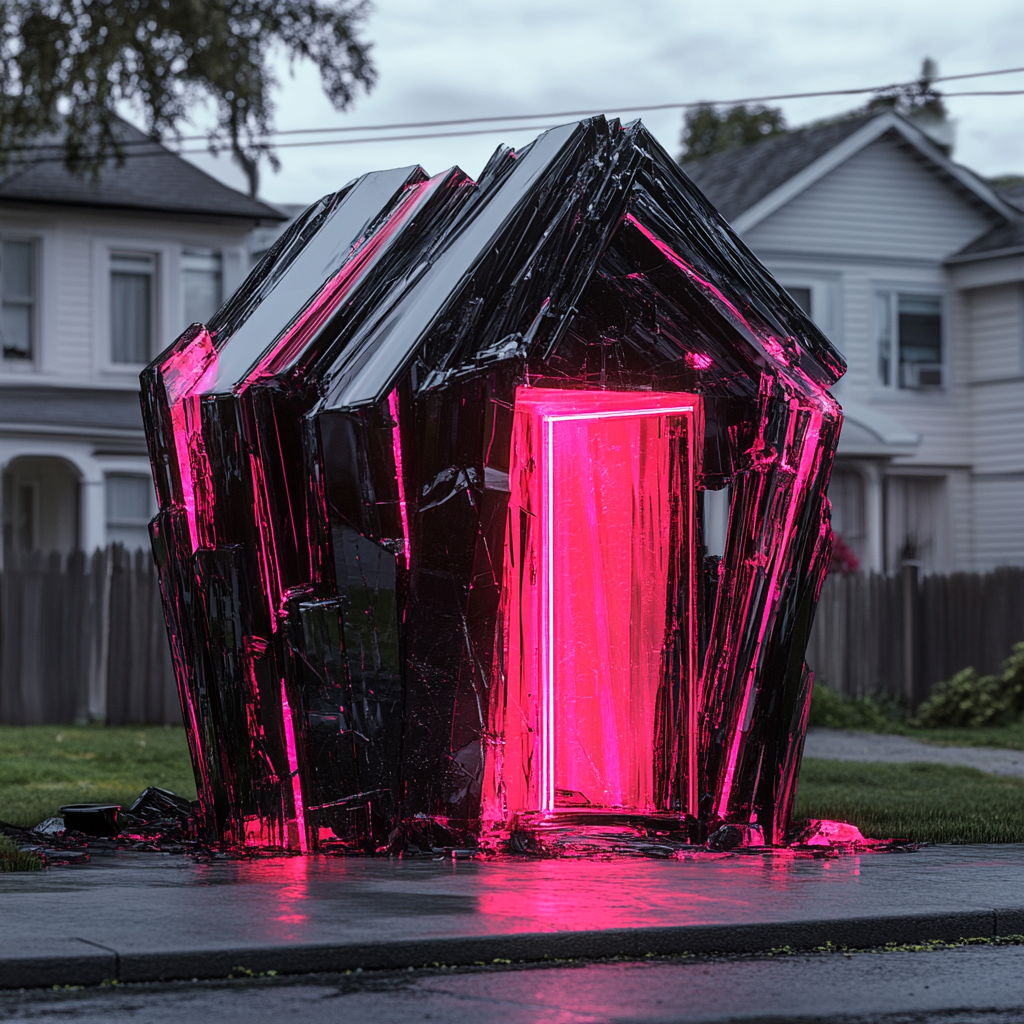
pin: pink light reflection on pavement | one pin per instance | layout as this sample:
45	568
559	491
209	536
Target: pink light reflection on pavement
567	895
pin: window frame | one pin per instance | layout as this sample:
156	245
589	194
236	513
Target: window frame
104	248
891	294
826	297
108	522
187	252
154	299
33	358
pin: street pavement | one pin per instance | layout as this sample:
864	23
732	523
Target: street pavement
847	745
965	985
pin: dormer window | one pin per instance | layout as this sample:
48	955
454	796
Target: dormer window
910	349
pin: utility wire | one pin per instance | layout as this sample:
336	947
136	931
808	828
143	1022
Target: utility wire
157	147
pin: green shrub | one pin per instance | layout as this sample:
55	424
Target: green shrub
969	699
836	711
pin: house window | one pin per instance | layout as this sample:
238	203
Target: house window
909	340
802	297
17	322
129	508
202	280
131	308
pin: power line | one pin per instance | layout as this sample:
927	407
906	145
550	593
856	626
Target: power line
158	146
398	138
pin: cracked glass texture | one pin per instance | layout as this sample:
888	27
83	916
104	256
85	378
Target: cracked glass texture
430	509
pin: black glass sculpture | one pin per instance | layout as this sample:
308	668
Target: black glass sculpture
430	513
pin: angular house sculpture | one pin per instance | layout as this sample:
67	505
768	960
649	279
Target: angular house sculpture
431	491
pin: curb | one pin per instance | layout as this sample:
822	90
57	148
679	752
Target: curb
83	962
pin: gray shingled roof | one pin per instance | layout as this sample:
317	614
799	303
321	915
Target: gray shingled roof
1014	194
1005	236
738	178
151	178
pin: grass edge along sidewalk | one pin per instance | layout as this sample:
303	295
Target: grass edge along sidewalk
42	767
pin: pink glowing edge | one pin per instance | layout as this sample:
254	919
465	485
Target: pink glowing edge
592	743
293	768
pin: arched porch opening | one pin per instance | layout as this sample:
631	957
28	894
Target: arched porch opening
41	505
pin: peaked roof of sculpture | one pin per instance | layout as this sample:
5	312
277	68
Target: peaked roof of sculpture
443	276
152	178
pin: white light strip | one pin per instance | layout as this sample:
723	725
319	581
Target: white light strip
619	414
548	710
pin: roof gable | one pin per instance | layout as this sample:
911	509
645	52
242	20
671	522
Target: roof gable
753	182
739	178
882	203
152	178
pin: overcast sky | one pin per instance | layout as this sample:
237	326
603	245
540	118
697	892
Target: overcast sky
441	59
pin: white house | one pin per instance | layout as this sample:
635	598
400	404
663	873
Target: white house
914	267
96	277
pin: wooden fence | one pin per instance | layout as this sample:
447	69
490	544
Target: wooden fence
82	638
900	635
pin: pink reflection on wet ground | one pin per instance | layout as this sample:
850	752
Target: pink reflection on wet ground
296	896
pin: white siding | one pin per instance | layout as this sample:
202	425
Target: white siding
73	336
999	521
881	202
882	220
995	332
69	341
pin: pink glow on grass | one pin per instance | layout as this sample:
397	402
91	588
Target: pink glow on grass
396	442
596	467
293	769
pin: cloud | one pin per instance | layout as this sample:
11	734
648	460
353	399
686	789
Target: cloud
441	60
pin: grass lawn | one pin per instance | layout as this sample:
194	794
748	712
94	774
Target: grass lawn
44	766
921	802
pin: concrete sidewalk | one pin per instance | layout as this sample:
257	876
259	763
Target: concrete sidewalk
848	745
151	917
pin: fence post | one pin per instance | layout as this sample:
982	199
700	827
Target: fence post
911	602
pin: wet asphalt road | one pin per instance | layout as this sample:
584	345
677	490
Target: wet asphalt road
976	984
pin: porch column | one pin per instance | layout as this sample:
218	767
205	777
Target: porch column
94	514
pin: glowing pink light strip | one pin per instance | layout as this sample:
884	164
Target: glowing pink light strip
396	443
188	372
293	767
547	716
808	454
352	272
